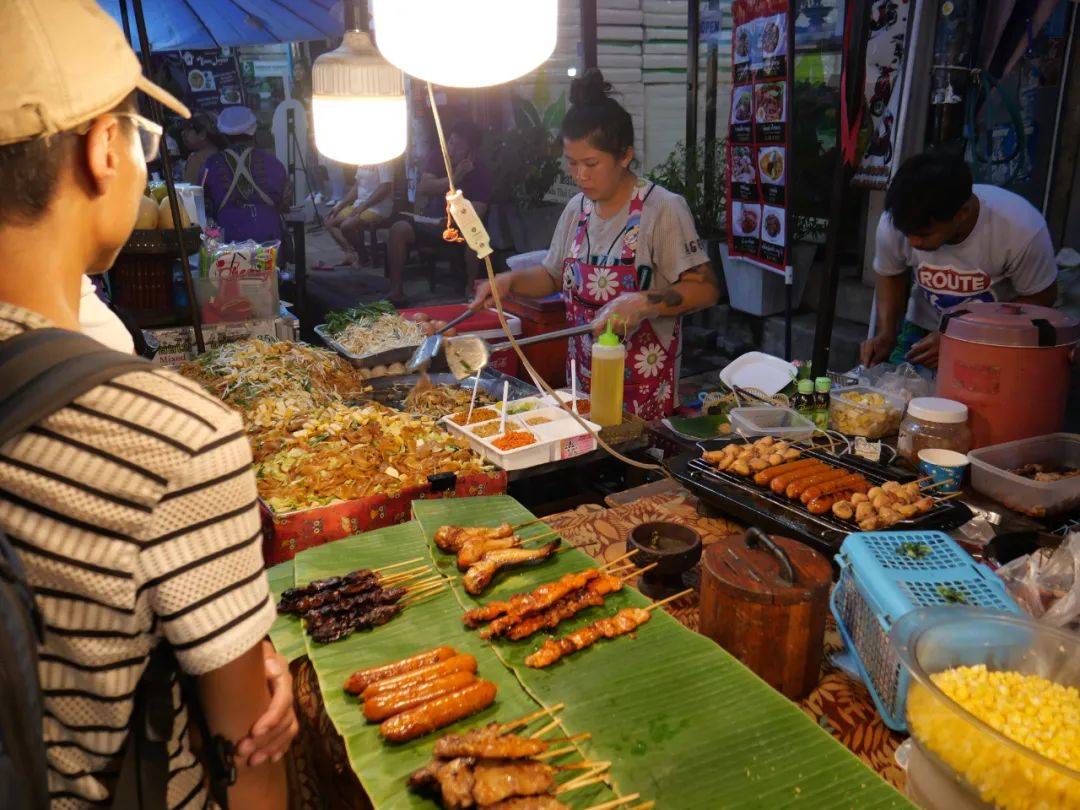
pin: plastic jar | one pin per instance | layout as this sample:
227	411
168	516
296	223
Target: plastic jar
933	422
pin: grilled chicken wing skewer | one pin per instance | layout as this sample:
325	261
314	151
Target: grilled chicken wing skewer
450	538
474	549
480	575
625	621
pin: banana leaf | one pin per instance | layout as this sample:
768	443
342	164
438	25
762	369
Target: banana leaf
682	721
286	633
383	768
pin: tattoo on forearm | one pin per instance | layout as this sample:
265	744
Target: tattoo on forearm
668	298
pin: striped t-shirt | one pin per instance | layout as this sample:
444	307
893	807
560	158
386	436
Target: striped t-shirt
134	513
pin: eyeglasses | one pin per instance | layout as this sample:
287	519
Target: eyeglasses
149	133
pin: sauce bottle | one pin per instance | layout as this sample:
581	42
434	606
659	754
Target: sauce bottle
803	401
821	402
606	388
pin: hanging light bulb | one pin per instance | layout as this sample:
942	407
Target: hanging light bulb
358	98
467	43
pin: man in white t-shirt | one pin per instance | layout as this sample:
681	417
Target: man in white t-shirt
964	243
370	201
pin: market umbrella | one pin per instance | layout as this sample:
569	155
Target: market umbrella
195	24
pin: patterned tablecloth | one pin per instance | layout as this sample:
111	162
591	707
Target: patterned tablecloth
319	772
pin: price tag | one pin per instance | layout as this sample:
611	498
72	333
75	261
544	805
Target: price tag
864	448
577	446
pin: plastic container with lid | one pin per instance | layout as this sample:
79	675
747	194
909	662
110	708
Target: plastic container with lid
933	422
992	474
860	410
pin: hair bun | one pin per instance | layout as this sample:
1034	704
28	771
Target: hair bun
590	88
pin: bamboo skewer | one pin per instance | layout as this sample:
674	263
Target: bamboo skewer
584	765
949	497
591	776
419	599
528	719
645	806
663	602
611	805
571	739
554	753
397	565
577	784
619	559
411	573
638	572
526	523
554	724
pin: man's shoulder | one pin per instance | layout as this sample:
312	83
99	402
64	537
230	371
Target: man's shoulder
1010	209
162	406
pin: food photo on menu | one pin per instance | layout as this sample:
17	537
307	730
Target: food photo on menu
742	43
742	165
772	37
742	105
771	164
772	225
747	218
769	101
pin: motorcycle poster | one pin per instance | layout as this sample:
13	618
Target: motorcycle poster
759	133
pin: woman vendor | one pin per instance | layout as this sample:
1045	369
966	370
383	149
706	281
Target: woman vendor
624	248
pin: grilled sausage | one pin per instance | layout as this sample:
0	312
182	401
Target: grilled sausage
381	707
363	678
780	482
459	663
821	505
765	476
439	712
851	481
797	487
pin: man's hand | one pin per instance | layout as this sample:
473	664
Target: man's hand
627	311
272	733
925	352
876	349
462	169
483	298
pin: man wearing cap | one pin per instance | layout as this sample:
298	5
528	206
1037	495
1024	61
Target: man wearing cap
133	509
245	186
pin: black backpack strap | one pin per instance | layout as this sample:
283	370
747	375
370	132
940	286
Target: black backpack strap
43	370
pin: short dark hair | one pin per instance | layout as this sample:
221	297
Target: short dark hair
596	116
466	129
29	171
928	188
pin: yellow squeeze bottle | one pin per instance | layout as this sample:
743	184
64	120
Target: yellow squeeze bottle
606	391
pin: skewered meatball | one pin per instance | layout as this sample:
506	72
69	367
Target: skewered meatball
775	459
741	467
766	441
924	505
874	492
758	464
868	525
858	497
892	487
887	517
863	511
791	454
912	490
907	510
882	501
731	450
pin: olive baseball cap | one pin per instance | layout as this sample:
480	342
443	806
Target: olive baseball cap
64	62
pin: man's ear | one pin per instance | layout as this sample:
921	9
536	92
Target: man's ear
102	146
627	158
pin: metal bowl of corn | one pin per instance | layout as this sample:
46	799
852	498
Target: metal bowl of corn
993	709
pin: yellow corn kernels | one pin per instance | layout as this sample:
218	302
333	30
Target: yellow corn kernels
1040	715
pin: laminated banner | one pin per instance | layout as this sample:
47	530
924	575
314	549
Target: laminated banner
885	53
759	142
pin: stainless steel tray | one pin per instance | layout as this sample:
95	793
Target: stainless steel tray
391	391
398	355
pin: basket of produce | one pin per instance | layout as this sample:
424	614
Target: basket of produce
886	575
993	710
864	411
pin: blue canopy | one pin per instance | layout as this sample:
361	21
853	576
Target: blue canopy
192	24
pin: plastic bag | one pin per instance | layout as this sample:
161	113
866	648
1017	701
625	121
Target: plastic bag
1046	584
902	380
241	282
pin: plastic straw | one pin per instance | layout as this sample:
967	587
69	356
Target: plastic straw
506	396
573	382
472	401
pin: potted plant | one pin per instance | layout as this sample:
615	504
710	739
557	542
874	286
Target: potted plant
709	210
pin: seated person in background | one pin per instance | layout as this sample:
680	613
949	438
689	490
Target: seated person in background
471	175
201	139
245	186
964	242
369	202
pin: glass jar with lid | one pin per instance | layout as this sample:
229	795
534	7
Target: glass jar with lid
933	422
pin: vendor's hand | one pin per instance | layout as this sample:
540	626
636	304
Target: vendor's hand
483	298
272	733
925	352
628	311
876	350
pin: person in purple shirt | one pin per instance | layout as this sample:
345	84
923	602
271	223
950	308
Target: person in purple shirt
475	180
245	186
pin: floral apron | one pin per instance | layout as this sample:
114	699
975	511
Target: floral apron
649	382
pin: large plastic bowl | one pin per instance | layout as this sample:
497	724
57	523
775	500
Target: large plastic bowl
961	761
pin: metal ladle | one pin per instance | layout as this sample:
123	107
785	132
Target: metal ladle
427	350
468	354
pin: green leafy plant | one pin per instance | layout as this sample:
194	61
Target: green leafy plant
709	210
525	160
337	320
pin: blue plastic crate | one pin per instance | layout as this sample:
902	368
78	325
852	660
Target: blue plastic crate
884	575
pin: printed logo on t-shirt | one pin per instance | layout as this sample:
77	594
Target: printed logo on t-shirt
946	287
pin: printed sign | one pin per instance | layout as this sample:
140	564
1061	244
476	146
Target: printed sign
759	132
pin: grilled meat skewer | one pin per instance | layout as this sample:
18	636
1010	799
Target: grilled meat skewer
541	597
291	596
474	549
488	743
340	627
625	621
354	604
361	679
592	595
480	575
450	538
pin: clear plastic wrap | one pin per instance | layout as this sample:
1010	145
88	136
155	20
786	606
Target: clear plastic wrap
1047	583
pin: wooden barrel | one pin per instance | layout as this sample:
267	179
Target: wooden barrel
764	600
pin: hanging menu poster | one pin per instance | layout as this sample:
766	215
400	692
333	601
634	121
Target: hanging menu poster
758	143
